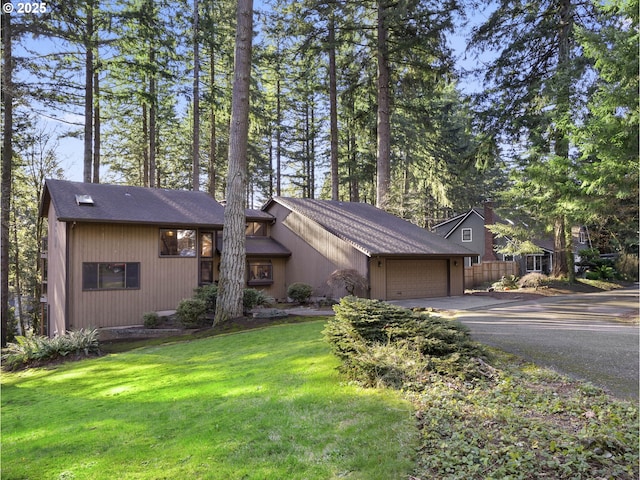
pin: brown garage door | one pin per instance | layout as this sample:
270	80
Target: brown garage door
417	279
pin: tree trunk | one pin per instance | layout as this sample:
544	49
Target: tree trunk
384	126
560	265
333	110
18	278
96	128
88	98
212	132
232	268
561	140
152	122
145	148
196	99
7	153
278	139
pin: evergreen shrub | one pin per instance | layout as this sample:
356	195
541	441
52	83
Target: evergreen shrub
209	294
382	344
252	298
192	312
299	292
151	320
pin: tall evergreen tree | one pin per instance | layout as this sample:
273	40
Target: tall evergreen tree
232	268
533	97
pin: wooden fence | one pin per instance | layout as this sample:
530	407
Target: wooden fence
488	272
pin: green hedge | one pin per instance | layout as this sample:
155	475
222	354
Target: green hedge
380	343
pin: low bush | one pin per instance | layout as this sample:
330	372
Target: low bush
252	298
209	294
533	280
192	312
151	320
508	282
589	275
299	292
35	349
382	344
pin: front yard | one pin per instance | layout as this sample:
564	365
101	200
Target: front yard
269	403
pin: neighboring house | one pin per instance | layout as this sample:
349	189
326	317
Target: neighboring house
399	259
468	229
115	252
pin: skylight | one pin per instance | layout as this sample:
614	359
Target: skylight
83	200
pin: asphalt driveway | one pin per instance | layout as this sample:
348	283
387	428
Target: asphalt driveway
579	335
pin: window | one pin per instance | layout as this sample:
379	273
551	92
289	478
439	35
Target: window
256	229
207	247
466	234
110	276
534	263
260	272
177	243
582	236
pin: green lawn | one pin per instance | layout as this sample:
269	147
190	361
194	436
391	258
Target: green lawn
264	404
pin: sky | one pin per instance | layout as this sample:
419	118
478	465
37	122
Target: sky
70	149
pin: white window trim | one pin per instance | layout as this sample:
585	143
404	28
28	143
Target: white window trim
470	234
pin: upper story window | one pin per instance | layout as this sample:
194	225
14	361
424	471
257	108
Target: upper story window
582	236
256	229
466	235
177	243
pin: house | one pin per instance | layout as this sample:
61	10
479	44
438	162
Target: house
116	252
398	259
468	229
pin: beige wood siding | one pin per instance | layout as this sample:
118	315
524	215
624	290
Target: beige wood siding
163	281
456	276
278	289
315	252
378	277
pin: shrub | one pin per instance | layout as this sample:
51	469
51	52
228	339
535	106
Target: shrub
299	292
603	272
509	282
252	298
36	349
151	320
533	280
589	275
350	279
192	312
382	344
627	266
208	293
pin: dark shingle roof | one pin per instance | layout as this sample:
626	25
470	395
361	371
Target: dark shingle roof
125	204
259	246
371	230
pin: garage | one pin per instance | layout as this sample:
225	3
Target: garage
412	278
